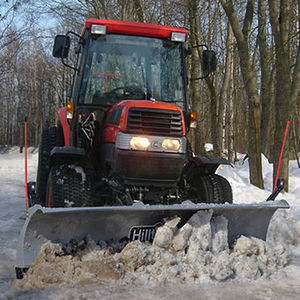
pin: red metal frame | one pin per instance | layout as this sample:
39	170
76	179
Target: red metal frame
133	28
65	125
279	163
26	178
106	75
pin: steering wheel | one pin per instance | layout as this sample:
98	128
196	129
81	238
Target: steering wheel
128	90
133	92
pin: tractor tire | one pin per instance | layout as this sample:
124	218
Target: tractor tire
60	140
67	188
51	137
225	187
211	188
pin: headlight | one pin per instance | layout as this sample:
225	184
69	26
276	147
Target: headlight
98	29
178	37
140	143
171	144
151	143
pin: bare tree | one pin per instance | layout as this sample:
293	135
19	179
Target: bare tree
287	79
266	94
196	136
242	36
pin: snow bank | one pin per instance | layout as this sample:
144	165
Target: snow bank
16	149
196	253
284	230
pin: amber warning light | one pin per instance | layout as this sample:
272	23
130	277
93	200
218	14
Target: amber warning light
194	118
70	110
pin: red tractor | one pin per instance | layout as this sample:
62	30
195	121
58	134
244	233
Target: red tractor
122	137
119	163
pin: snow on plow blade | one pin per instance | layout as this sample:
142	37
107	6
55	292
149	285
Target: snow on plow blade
60	225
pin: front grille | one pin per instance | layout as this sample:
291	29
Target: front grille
154	122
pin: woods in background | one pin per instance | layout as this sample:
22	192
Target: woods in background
243	107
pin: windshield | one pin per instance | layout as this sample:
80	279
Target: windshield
122	67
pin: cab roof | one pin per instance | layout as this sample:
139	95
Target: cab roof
134	28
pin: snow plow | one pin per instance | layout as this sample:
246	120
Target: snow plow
119	162
138	222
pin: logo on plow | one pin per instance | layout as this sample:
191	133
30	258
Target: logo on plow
143	233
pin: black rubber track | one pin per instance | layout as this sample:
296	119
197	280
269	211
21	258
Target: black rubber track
51	137
211	189
67	188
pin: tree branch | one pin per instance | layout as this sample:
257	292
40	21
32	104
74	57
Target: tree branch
248	19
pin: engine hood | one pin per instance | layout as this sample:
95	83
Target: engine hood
147	104
120	118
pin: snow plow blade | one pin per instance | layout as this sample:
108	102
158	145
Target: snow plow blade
60	225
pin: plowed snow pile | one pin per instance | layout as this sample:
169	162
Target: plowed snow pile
197	252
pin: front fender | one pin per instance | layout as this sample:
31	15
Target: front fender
66	155
205	164
65	125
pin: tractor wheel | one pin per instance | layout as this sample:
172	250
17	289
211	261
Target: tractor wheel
60	140
51	137
211	189
225	187
67	187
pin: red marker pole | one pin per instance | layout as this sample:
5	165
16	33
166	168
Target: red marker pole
26	187
284	140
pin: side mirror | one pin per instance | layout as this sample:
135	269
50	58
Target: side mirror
61	46
209	61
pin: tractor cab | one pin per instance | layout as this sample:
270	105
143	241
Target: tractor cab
124	67
128	61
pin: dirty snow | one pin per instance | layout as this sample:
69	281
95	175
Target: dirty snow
198	261
186	265
80	171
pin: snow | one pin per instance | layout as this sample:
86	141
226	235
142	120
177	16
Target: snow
284	232
209	147
80	171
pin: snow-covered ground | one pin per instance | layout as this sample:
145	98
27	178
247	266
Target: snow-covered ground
283	284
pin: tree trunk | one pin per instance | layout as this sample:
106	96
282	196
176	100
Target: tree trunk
284	101
250	82
140	10
229	116
223	95
265	88
196	134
